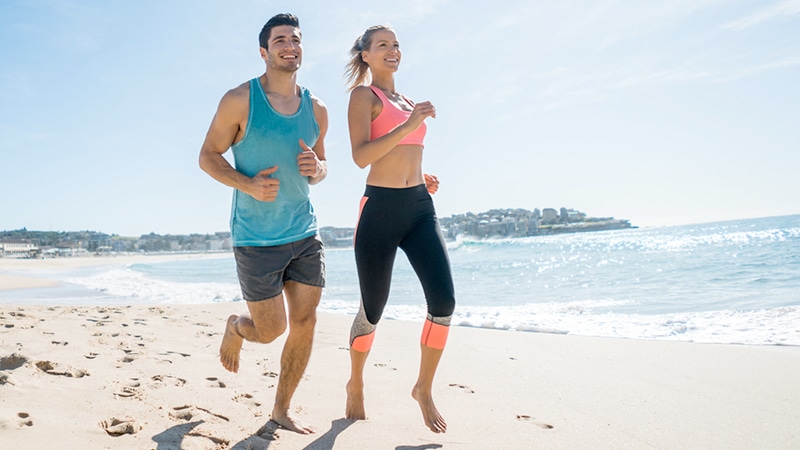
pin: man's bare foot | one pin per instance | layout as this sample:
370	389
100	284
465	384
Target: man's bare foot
430	414
355	402
231	346
289	423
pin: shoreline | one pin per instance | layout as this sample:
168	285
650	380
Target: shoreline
57	281
21	268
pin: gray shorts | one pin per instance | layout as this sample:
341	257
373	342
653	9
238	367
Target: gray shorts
263	270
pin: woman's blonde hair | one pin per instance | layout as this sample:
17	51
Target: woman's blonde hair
356	70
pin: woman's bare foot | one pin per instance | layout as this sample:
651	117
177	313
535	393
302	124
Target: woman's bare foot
430	414
282	418
355	402
231	346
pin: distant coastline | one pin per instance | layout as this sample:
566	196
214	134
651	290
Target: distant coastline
503	223
495	223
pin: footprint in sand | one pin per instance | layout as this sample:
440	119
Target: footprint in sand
269	374
162	379
218	416
215	382
119	427
58	369
182	413
220	442
131	389
384	366
188	412
526	418
462	387
100	320
12	361
246	398
25	421
127	392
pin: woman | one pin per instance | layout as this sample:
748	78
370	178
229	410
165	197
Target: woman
387	131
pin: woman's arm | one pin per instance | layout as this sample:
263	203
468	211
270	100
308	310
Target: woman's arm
363	107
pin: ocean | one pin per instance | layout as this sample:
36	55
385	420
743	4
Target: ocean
735	282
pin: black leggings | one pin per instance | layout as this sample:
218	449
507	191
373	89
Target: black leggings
401	218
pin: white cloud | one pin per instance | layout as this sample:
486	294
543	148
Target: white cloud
785	9
743	72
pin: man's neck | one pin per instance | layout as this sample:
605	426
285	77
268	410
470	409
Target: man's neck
280	83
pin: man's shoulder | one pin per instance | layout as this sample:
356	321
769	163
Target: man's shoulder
242	90
316	101
237	98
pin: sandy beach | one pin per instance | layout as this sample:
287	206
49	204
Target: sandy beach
149	377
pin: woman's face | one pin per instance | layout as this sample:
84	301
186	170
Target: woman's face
384	51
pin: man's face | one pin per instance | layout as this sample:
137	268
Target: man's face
285	48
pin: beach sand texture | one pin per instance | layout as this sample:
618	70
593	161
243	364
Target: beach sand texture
149	377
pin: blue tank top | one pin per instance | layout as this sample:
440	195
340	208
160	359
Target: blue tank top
271	139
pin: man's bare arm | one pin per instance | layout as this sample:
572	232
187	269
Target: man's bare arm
225	127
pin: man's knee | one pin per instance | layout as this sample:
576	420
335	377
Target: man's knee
268	331
269	319
305	321
302	301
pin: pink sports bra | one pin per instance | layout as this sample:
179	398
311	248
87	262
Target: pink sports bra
390	117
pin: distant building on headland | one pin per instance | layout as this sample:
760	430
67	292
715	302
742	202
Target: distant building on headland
34	244
513	223
496	223
502	223
337	237
18	248
217	242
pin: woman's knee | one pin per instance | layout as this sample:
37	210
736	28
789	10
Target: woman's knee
442	306
362	332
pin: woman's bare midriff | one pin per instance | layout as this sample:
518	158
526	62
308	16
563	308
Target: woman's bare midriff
400	168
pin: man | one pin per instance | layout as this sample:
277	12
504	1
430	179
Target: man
276	129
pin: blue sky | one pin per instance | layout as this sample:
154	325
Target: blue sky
663	113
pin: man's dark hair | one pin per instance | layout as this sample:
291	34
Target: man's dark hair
275	21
